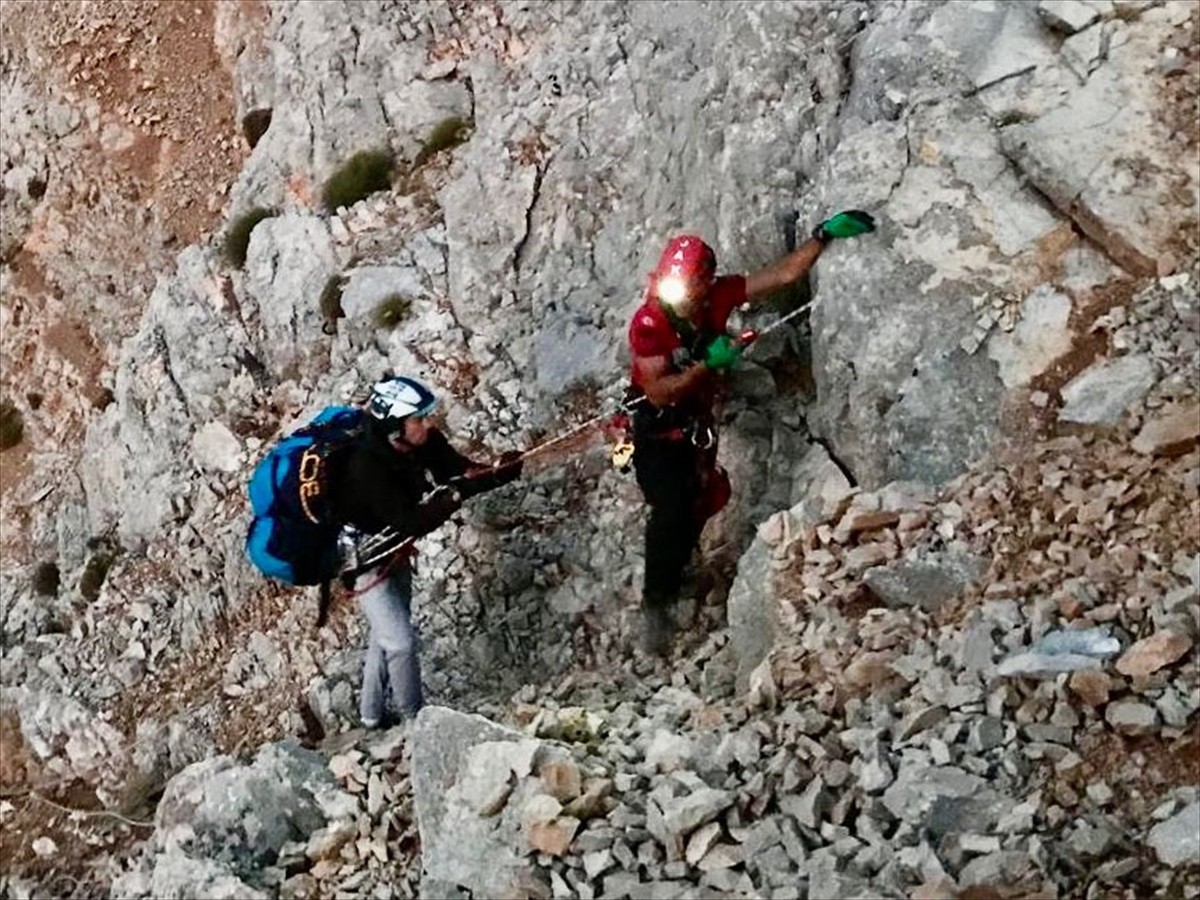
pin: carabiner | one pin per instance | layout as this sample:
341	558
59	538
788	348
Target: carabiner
622	456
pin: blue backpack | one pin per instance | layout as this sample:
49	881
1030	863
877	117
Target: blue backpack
293	538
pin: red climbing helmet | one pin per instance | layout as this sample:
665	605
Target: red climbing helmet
685	269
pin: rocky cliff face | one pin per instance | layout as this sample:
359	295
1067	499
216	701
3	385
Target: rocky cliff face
991	405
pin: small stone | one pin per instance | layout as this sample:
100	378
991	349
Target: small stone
1067	16
595	800
597	862
1092	686
441	68
552	837
325	868
624	855
857	519
559	888
1177	840
978	843
986	732
324	843
670	821
863	557
539	808
1102	393
875	776
1089	840
668	751
44	847
722	856
1100	793
622	884
1153	653
1170	433
701	842
939	750
562	780
1131	717
346	765
375	795
302	886
836	773
811	807
922	720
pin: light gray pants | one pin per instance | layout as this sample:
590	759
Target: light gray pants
391	670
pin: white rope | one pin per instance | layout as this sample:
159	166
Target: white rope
804	307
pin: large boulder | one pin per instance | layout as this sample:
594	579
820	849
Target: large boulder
968	247
485	798
220	825
1106	154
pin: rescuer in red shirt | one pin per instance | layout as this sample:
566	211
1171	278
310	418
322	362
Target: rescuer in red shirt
679	346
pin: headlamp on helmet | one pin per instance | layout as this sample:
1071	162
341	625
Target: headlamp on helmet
685	269
395	399
672	290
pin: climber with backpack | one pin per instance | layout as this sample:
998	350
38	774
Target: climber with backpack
351	493
679	348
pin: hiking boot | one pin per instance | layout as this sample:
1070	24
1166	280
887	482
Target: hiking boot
657	630
388	720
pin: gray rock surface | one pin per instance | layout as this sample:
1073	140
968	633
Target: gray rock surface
1102	393
474	833
220	825
1067	16
751	606
926	583
871	749
1177	840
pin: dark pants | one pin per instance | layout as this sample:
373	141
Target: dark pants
673	475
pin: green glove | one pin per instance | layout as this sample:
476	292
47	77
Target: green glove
846	224
722	353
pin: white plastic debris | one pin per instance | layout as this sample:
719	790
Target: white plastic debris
1064	650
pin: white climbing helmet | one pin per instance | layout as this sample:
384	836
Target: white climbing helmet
395	399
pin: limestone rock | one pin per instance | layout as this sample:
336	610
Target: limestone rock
459	843
1177	840
1091	685
927	582
1041	336
1131	717
1067	16
1099	395
1172	432
1080	174
553	837
1153	653
671	821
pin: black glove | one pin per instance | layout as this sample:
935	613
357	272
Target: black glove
480	481
437	508
511	465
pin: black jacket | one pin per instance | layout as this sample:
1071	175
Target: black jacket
373	486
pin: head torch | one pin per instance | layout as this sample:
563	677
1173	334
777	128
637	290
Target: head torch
672	290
